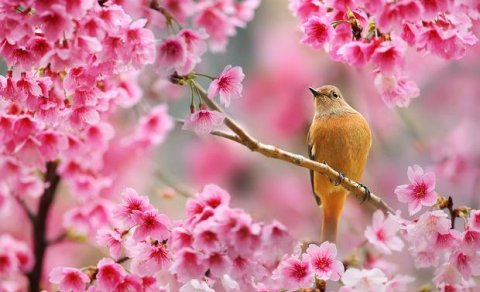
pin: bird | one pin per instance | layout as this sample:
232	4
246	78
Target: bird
340	137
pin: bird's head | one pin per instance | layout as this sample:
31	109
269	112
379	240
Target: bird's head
327	98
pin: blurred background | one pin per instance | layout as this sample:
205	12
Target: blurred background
438	131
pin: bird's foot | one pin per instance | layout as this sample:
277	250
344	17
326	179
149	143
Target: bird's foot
367	194
340	178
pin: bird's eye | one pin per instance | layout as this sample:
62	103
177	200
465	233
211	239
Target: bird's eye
334	94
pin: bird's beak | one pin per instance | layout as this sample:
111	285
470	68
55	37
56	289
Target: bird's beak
314	92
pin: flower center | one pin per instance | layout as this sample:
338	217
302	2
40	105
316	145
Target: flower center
380	235
420	190
149	221
299	271
224	83
72	278
322	263
319	30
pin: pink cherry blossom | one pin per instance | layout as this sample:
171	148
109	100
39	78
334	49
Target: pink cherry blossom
189	264
295	273
471	239
363	280
228	85
149	258
150	223
154	127
217	24
317	32
141	42
131	202
323	262
54	22
396	90
214	196
466	262
203	121
171	54
447	273
206	238
383	233
448	36
447	240
474	219
130	283
355	53
388	57
196	286
181	238
219	264
110	274
111	239
399	283
15	255
51	144
69	279
194	41
420	192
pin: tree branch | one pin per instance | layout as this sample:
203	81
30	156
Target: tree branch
271	151
39	227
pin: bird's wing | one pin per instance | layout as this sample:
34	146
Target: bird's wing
312	157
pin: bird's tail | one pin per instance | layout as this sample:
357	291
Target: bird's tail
332	211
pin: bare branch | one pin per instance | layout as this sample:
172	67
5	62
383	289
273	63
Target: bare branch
271	151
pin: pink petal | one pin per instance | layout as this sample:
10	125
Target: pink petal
213	89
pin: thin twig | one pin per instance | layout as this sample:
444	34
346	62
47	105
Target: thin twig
271	151
171	182
56	240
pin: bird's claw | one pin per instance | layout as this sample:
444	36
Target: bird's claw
367	194
340	178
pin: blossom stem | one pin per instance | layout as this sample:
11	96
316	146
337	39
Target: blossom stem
168	16
61	237
337	22
171	182
204	75
39	227
192	106
271	151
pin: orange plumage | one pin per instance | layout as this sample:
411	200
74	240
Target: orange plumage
339	136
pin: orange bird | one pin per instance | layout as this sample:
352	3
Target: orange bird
340	137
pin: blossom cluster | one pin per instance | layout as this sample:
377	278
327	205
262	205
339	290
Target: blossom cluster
71	66
431	238
380	32
215	248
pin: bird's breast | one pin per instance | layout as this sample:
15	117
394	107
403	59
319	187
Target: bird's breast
343	141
